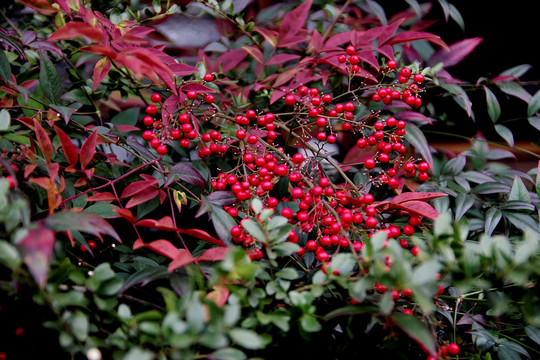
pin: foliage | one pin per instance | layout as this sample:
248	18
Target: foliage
277	193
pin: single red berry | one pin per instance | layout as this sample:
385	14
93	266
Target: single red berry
369	163
148	120
350	50
298	158
208	77
391	64
419	78
252	139
371	222
423	176
406	72
191	94
407	311
155	142
423	166
209	98
453	349
155	97
11	182
151	109
161	149
342	58
327	98
290	99
354	59
415	250
311	245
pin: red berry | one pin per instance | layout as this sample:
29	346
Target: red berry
11	182
209	98
290	99
148	120
327	98
453	349
298	158
155	97
391	64
419	78
311	245
342	58
191	94
415	250
151	110
423	176
406	72
371	222
423	166
350	50
208	77
161	149
369	163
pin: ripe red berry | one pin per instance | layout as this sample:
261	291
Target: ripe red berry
342	58
423	166
11	182
423	176
208	77
406	72
327	98
419	78
371	222
453	349
391	64
350	50
290	99
155	97
369	163
151	110
298	158
209	98
148	120
191	94
161	149
415	250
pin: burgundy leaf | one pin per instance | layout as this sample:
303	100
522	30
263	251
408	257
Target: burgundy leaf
294	20
182	69
37	247
214	254
281	58
407	36
201	235
164	247
199	88
230	59
415	196
455	53
81	221
221	198
137	186
101	69
44	142
420	208
142	196
186	172
183	258
75	29
71	151
255	53
88	149
101	196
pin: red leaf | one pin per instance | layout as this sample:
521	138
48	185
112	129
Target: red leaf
37	247
255	53
41	6
126	214
455	53
294	20
143	196
79	29
104	196
276	95
214	254
88	149
420	208
197	88
269	35
219	295
182	69
43	140
415	196
230	59
315	42
101	69
71	151
282	58
104	50
164	247
182	259
165	224
407	36
202	235
138	186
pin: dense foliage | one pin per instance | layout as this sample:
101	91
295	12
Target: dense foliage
274	191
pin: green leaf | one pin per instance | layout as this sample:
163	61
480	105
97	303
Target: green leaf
522	221
533	333
79	325
5	67
519	191
309	323
417	330
136	353
248	339
493	106
517	71
491	220
227	354
49	80
491	188
5	118
254	229
288	273
537	185
534	104
80	221
126	117
463	203
9	256
506	134
416	138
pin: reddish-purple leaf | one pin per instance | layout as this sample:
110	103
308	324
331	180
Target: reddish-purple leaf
407	36
88	149
281	58
221	198
37	247
416	196
315	42
164	224
71	151
230	59
44	142
126	214
414	116
201	235
79	29
137	186
255	53
81	221
455	53
420	208
101	196
142	196
269	35
101	69
186	172
276	95
183	258
294	20
199	88
164	247
182	69
214	254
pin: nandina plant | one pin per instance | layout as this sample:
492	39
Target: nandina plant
264	196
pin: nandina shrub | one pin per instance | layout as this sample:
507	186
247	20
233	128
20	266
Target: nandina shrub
267	196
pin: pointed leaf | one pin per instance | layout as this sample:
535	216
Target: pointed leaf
523	221
519	191
417	330
534	104
416	138
201	235
214	254
294	20
506	134
463	203
247	339
101	69
183	258
186	172
49	80
414	195
282	58
44	142
491	220
71	152
5	118
37	247
221	198
5	67
88	149
164	247
419	208
455	53
164	224
493	107
81	221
